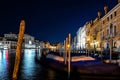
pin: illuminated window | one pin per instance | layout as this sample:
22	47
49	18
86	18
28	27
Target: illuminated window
30	42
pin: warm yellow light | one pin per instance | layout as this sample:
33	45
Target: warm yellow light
91	43
88	39
96	43
68	46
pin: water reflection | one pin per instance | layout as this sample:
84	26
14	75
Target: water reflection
33	70
30	67
28	62
51	74
4	63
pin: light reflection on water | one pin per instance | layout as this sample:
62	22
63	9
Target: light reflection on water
30	67
4	63
28	62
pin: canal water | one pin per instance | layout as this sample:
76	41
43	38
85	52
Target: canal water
30	67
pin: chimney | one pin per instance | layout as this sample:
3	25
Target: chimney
118	1
91	22
106	9
99	14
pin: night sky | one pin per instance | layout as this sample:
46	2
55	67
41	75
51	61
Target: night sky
49	20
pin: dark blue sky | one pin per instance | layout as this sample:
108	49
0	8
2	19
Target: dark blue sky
49	20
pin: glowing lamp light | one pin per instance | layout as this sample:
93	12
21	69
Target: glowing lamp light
96	43
30	42
88	39
68	46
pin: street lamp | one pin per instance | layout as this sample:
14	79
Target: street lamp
94	37
110	41
101	49
110	49
88	45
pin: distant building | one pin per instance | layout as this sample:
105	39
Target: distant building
81	38
74	45
7	44
29	41
10	36
9	41
42	44
38	44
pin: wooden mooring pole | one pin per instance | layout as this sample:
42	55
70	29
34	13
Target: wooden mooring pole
69	54
18	50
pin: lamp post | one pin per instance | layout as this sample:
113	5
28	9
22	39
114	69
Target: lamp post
94	36
88	48
88	45
101	49
94	46
110	50
110	41
85	47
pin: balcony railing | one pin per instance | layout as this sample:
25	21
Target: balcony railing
112	35
109	36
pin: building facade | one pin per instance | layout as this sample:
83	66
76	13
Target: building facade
29	41
81	38
102	33
8	44
9	41
11	36
111	29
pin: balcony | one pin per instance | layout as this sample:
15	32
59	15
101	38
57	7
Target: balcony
112	35
107	36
